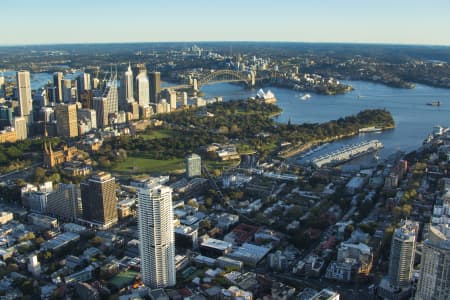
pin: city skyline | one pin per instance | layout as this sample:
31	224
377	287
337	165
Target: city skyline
177	21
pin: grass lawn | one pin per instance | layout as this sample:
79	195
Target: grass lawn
134	165
123	278
157	134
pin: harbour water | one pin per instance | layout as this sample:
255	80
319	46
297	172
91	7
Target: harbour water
413	117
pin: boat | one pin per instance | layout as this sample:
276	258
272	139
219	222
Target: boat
305	96
370	129
434	103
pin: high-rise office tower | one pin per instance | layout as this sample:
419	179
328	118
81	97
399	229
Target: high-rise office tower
137	69
434	281
65	202
99	104
193	165
155	86
99	201
126	89
142	90
156	236
24	95
84	82
67	90
111	95
57	83
66	120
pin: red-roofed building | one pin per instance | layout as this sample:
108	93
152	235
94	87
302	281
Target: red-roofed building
241	234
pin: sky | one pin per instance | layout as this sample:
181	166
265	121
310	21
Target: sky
349	21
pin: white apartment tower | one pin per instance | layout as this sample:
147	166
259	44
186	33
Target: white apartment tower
403	248
156	236
24	95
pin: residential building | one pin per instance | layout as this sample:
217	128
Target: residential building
65	202
398	284
193	165
156	236
99	201
434	281
401	259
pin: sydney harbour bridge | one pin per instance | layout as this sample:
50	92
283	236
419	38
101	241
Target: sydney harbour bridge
249	78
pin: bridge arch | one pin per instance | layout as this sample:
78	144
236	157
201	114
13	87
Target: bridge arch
225	76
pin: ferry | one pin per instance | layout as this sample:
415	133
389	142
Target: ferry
370	129
305	96
434	103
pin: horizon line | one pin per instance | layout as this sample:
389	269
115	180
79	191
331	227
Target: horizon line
224	41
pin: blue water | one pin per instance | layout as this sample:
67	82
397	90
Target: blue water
414	119
38	80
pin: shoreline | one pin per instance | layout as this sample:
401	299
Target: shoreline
308	146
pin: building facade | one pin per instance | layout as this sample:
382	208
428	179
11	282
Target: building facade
99	201
57	83
66	120
142	90
401	260
24	96
434	281
156	236
126	89
65	202
155	86
193	165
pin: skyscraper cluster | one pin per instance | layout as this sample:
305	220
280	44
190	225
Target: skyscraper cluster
56	109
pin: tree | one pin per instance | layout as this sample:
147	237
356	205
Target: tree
348	231
39	175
